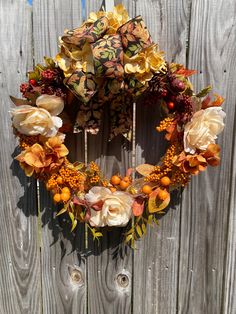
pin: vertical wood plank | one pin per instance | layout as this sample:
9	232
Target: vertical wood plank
156	259
109	263
63	266
207	208
20	290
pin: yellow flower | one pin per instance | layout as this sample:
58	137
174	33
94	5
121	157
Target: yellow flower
118	17
71	58
150	60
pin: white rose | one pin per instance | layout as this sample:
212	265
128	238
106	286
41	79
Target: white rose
53	104
30	120
115	207
203	129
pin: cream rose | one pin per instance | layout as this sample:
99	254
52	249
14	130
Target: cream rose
42	120
112	209
53	104
30	120
203	129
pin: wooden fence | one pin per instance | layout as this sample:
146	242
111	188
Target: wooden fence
188	264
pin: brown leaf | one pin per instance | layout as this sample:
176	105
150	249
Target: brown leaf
18	101
145	169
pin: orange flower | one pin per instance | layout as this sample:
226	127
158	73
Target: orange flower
38	159
33	159
212	155
191	163
55	146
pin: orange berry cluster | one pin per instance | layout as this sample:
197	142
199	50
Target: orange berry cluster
179	177
68	178
95	179
166	167
119	182
164	124
94	167
72	178
94	174
64	196
27	141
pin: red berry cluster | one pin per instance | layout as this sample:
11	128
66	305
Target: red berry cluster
49	75
24	87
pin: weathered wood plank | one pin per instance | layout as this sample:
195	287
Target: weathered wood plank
20	290
208	203
109	263
63	270
156	260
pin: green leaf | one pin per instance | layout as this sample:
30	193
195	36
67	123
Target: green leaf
205	91
144	228
62	211
133	48
105	54
74	224
128	238
72	217
139	231
98	234
150	218
49	62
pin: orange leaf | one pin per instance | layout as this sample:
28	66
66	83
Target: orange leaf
155	204
185	72
218	100
207	102
138	206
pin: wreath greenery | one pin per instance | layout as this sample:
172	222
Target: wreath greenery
111	60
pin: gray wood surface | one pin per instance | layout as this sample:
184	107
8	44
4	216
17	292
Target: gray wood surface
20	275
109	264
156	261
207	207
187	264
63	267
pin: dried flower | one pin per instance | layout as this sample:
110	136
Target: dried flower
191	163
212	155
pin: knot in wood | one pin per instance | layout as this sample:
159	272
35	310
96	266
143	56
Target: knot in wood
122	280
76	276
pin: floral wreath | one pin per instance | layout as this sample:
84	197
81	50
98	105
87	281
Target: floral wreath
111	60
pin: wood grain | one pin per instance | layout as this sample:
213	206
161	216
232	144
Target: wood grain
109	263
186	265
20	288
156	259
63	266
208	203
